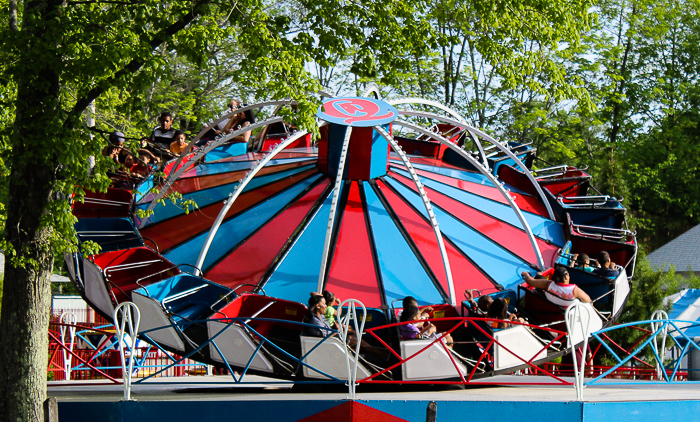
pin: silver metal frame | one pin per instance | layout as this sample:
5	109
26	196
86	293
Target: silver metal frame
494	142
334	205
428	208
239	189
491	177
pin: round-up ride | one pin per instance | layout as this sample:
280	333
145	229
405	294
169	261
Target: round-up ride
379	208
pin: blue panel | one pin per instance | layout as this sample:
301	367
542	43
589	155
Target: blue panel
227	166
541	227
497	262
678	410
682	304
297	274
336	137
235	230
209	196
483	411
402	273
380	154
469	176
226	151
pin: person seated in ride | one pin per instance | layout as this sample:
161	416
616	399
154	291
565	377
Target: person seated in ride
420	329
411	301
218	129
236	122
115	150
480	307
179	145
314	316
559	285
142	166
331	302
583	262
414	330
163	135
499	310
607	267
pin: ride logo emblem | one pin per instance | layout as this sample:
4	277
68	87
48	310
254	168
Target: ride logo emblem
357	112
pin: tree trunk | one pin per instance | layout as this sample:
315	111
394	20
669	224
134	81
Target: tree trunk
37	132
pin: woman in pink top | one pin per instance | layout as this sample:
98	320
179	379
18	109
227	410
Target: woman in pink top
559	285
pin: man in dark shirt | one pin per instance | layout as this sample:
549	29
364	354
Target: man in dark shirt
607	268
163	134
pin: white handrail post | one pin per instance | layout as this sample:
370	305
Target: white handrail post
126	322
574	320
659	319
70	319
343	329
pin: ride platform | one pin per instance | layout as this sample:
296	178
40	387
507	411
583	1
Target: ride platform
216	398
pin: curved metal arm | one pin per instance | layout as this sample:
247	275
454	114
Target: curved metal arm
494	142
334	205
430	103
428	209
201	153
372	88
238	191
485	172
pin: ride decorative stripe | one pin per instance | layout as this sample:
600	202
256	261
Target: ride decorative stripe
248	263
497	262
234	230
542	227
352	272
465	275
508	237
192	184
524	202
402	274
175	231
297	274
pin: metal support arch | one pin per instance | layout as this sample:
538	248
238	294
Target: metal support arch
428	209
334	205
498	145
234	195
658	321
343	331
370	89
174	176
127	325
429	103
491	177
574	317
70	320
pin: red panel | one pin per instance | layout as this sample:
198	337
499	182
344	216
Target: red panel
524	202
360	153
172	232
123	280
248	305
271	142
464	274
352	273
191	184
352	411
113	203
508	237
429	162
248	263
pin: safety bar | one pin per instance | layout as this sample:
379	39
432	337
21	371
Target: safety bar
184	293
131	265
505	157
138	282
255	315
101	201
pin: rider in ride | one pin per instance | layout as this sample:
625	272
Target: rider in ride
559	285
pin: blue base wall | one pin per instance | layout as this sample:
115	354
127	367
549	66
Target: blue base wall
447	411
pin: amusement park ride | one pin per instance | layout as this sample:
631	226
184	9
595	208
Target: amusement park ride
379	208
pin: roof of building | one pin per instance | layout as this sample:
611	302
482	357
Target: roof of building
682	252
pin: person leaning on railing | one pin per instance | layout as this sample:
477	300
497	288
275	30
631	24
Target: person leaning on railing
559	285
